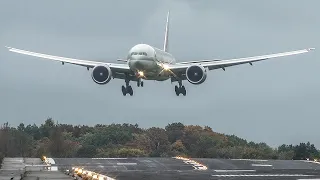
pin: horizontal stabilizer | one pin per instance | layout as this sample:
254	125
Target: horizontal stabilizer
122	60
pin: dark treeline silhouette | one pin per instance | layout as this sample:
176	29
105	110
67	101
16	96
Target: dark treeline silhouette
127	140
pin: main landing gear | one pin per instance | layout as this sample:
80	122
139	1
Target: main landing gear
127	89
180	89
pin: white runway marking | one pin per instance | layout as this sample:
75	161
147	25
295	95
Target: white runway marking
249	160
259	175
196	165
124	164
235	170
261	165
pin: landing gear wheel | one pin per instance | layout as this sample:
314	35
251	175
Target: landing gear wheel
180	90
183	90
138	83
124	90
130	90
127	89
176	89
141	83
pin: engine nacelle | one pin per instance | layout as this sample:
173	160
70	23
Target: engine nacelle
101	74
196	74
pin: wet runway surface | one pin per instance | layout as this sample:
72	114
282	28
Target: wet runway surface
171	168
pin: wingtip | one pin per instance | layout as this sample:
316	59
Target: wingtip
8	47
311	49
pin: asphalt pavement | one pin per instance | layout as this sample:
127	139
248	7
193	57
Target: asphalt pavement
191	169
160	168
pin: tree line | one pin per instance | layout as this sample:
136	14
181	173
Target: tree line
53	139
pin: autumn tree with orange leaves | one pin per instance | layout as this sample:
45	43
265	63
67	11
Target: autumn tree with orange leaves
129	140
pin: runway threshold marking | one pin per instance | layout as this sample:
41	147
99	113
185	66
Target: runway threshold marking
260	175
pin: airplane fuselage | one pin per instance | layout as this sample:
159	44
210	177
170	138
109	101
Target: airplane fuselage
146	61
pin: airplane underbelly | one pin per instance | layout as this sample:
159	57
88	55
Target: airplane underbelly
156	75
150	69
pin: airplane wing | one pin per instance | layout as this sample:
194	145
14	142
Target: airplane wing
115	67
180	68
199	61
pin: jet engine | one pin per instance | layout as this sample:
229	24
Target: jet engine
101	74
196	74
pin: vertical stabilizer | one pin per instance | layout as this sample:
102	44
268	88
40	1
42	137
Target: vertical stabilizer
166	36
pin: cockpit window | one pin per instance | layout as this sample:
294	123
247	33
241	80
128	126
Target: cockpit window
139	53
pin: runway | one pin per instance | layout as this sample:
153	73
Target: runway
172	168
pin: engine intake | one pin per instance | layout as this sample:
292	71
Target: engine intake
101	74
196	74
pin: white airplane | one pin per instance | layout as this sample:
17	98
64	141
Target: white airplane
145	62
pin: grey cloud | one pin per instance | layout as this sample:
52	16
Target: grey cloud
276	101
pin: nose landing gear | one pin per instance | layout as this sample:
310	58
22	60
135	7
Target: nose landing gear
180	89
140	83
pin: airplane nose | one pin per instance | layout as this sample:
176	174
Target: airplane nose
136	64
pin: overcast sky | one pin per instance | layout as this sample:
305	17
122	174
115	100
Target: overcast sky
274	101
